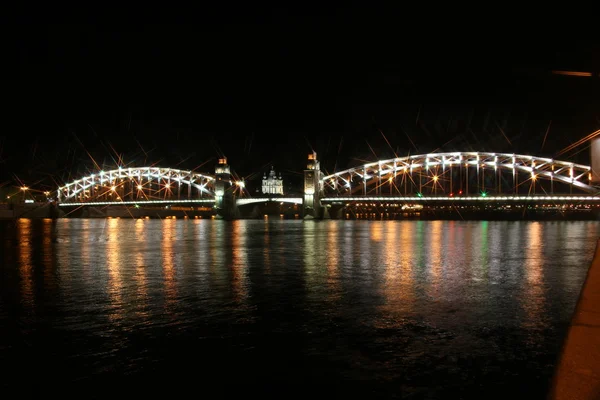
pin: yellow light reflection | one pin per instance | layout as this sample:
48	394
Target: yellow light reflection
217	253
407	268
392	251
25	261
333	255
239	263
376	232
48	253
398	289
167	257
533	286
141	266
85	248
115	283
434	262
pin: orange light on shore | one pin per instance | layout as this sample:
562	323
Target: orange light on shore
572	73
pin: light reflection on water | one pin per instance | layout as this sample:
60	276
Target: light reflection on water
383	308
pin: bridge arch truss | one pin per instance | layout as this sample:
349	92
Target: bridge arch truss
138	184
461	174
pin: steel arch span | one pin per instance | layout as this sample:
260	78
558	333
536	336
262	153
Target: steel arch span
144	184
461	174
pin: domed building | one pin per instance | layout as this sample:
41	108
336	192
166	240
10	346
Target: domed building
272	184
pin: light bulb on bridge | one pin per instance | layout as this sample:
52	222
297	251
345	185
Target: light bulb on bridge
139	187
24	188
167	185
435	178
113	188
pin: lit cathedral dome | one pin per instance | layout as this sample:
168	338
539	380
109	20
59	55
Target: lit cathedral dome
272	184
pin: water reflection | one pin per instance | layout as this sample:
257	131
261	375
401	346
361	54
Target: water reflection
48	252
113	265
435	260
239	265
86	247
532	284
141	267
321	253
408	302
393	251
24	233
201	255
399	287
218	254
483	251
267	248
333	260
168	262
376	231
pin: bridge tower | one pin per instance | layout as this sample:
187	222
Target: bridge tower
224	201
595	160
312	187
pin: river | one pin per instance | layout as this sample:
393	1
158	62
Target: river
287	308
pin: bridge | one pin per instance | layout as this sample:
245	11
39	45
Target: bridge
435	181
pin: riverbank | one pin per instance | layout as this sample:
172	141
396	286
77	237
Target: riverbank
578	373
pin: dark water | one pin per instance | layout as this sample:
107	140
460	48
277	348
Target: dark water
287	309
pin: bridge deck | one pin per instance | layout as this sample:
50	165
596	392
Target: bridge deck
463	198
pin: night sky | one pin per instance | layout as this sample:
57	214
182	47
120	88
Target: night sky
263	86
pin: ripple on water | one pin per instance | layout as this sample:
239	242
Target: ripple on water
415	309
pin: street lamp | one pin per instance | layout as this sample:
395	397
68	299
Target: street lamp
24	189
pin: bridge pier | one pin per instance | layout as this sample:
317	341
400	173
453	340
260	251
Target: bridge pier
313	189
225	205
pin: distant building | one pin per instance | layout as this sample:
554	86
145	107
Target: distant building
272	184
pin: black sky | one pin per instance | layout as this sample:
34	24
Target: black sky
262	85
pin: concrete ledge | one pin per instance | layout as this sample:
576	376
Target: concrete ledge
577	376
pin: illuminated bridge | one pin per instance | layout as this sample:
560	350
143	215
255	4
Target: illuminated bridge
437	181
